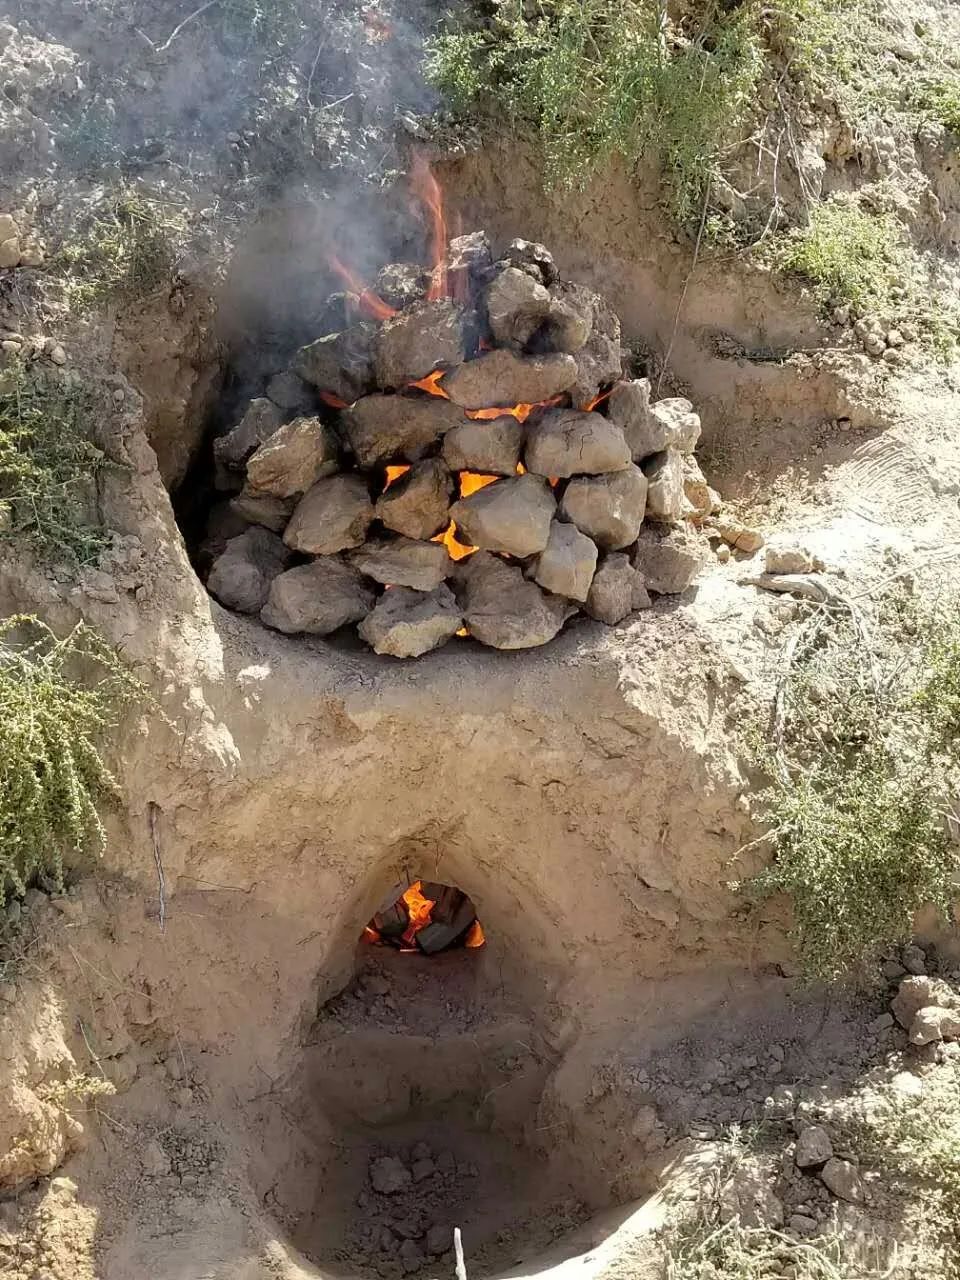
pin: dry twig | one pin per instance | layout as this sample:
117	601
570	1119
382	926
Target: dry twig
153	811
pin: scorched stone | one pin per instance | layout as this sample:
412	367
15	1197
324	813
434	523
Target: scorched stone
516	307
418	340
503	609
609	508
599	361
403	562
263	508
567	563
402	283
341	363
289	391
384	429
418	503
566	442
317	598
333	516
492	448
294	458
533	258
503	378
258	424
241	576
616	591
407	623
512	516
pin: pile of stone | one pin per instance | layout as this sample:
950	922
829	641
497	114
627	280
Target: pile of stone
357	475
406	1224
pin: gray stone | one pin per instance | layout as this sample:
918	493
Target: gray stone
511	516
503	609
609	509
533	258
517	305
418	503
403	562
241	576
423	1169
881	1023
388	1175
892	970
340	363
294	458
502	378
567	563
569	321
317	598
701	499
914	959
424	337
785	556
289	391
670	558
918	992
598	361
801	1224
664	473
932	1023
223	523
470	253
439	1240
617	590
382	429
261	419
678	423
843	1179
567	442
262	508
332	516
411	1256
490	447
813	1147
402	283
407	623
628	405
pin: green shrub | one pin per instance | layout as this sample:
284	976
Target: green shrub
49	466
57	699
861	768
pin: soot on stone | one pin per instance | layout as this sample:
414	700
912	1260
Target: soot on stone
461	455
425	918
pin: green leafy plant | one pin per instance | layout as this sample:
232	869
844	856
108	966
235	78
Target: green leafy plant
48	466
861	769
58	697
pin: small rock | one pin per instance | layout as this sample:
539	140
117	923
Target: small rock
332	516
9	253
843	1179
813	1147
916	993
58	355
490	448
8	993
567	563
411	1256
241	576
933	1023
294	458
739	536
403	562
599	361
892	970
260	421
607	508
402	283
678	424
617	590
787	557
803	1225
895	338
417	504
880	1024
406	623
264	509
340	363
874	344
670	558
423	1168
565	442
317	598
439	1240
388	1175
512	516
701	499
914	959
532	257
289	391
8	227
723	553
892	356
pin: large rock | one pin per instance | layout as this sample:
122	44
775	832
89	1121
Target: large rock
533	258
403	562
382	429
609	508
241	576
418	503
566	442
511	516
261	419
407	623
402	283
599	360
341	363
294	458
416	341
916	993
569	321
678	423
670	558
491	447
333	516
317	598
932	1023
503	609
501	378
566	565
616	591
262	508
843	1179
813	1147
516	307
289	391
628	405
665	499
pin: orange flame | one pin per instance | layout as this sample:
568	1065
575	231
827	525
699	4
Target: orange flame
333	401
419	909
471	481
456	550
592	404
475	937
431	384
426	188
368	301
394	473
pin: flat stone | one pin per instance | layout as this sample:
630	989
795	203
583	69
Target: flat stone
919	992
289	391
388	1175
785	556
503	378
403	562
739	536
402	283
424	337
260	421
262	508
383	429
489	447
609	508
511	516
417	504
516	307
843	1179
664	472
294	458
598	361
407	623
678	422
317	598
616	591
932	1023
341	363
242	574
813	1147
503	609
567	563
670	558
567	442
332	516
532	257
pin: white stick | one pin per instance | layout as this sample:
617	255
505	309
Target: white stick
458	1250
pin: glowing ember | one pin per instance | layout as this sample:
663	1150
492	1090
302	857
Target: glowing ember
471	481
427	189
394	473
367	300
419	908
413	911
475	938
431	384
456	550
